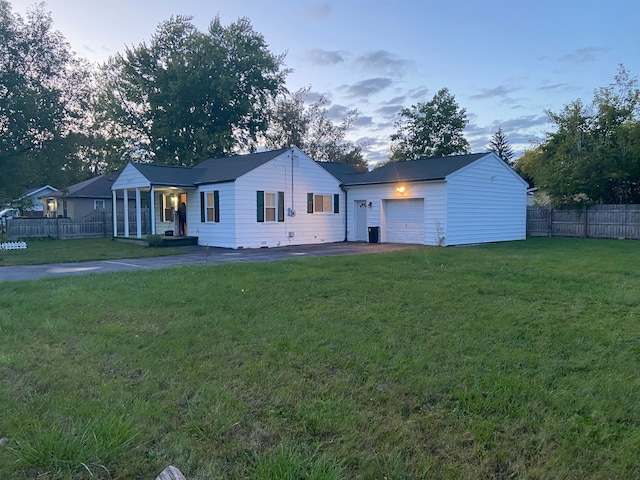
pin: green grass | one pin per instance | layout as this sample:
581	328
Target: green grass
515	360
60	251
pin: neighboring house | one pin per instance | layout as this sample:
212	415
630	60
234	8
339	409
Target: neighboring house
265	199
283	197
81	199
454	200
38	198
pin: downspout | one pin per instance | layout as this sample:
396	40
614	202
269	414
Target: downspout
346	210
292	165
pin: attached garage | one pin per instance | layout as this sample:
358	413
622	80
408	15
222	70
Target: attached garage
404	220
456	200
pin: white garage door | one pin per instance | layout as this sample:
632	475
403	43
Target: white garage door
405	220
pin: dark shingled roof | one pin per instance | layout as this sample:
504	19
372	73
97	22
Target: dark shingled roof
166	175
218	170
214	170
96	187
341	171
413	170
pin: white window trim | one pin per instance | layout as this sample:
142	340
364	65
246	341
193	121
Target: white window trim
323	195
209	207
273	207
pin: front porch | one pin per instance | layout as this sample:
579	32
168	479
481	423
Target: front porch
161	205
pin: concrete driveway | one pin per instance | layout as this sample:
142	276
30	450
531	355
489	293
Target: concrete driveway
195	255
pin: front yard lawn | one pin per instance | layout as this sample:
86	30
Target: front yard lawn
62	251
514	360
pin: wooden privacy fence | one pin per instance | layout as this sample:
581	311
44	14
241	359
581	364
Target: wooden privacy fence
597	221
95	225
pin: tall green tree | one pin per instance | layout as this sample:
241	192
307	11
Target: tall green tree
431	129
500	145
190	95
294	121
592	156
44	94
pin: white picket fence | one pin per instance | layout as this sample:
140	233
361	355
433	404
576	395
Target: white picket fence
13	246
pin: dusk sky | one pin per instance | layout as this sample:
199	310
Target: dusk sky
506	63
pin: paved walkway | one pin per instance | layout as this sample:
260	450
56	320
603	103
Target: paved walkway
195	255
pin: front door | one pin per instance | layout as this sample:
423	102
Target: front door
361	220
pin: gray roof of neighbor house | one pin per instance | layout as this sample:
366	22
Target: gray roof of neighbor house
32	191
96	187
427	169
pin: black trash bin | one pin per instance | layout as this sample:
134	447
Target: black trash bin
374	234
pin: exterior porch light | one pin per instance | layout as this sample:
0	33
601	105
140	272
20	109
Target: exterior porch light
401	189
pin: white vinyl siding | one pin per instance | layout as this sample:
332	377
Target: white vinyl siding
215	234
486	202
238	227
297	228
376	198
130	178
482	202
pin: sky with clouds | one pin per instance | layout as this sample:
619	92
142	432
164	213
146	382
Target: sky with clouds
506	62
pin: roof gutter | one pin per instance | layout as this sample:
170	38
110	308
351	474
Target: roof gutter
214	182
386	182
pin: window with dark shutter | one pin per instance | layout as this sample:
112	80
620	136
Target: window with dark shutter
281	206
260	205
216	205
309	202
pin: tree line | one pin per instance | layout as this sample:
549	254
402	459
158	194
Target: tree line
188	95
593	155
182	97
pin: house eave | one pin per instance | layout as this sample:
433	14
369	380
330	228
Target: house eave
400	180
215	182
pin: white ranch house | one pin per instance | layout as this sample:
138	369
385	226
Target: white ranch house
266	199
282	197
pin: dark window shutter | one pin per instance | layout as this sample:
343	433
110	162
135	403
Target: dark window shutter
161	197
260	203
281	206
336	203
202	207
216	205
309	202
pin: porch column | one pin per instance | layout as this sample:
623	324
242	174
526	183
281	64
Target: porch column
138	214
115	213
152	208
126	213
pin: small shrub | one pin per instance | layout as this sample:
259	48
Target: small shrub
155	240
